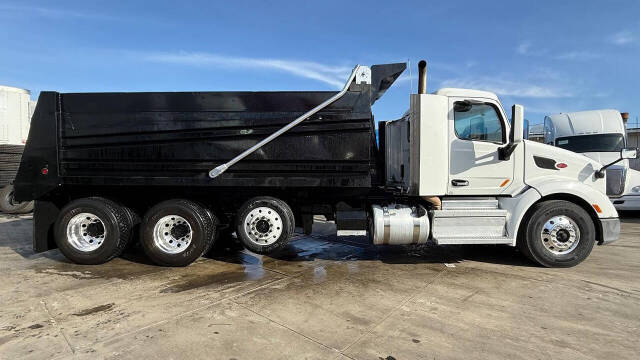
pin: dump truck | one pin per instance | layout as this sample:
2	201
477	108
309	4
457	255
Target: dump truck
181	171
599	135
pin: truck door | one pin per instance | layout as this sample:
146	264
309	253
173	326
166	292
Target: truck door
477	129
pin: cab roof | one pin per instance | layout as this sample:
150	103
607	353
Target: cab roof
604	121
470	93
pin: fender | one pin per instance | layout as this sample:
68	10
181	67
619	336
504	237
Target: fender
521	203
517	207
550	186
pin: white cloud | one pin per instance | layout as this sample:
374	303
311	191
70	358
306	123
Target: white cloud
622	38
332	75
578	55
526	48
405	78
58	12
523	48
508	87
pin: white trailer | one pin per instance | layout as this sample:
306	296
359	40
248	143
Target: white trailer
599	135
16	109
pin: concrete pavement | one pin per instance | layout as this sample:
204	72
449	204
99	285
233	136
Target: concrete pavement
322	298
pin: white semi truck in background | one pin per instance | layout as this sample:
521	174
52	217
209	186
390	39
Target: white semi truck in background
189	168
16	109
599	135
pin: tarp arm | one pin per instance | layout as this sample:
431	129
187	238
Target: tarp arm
363	74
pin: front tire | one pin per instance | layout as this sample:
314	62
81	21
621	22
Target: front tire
176	232
558	233
265	224
92	231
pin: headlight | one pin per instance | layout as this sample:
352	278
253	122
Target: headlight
635	189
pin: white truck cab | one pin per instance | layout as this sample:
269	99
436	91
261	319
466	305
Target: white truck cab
599	135
490	186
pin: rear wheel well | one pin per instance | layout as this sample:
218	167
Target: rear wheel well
570	198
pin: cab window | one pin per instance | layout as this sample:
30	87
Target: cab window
478	122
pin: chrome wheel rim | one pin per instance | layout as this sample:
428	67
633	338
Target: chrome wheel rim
172	234
263	225
560	235
86	232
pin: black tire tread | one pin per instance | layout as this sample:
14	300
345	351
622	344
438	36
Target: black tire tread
8	208
123	225
213	234
208	221
281	242
198	210
121	221
524	244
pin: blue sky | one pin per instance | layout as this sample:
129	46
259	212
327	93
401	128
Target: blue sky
550	56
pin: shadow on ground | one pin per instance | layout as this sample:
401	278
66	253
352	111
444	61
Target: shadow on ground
311	248
16	232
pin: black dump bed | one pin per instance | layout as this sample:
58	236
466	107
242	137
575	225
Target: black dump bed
175	138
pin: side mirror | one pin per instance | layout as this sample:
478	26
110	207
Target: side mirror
628	153
515	135
517	131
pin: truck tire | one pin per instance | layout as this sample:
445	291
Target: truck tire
134	224
92	231
9	206
558	233
176	232
265	224
213	225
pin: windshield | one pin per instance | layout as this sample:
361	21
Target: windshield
592	143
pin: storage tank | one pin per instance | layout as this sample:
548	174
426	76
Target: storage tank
16	108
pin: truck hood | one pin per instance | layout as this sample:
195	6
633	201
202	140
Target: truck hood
606	158
545	161
632	181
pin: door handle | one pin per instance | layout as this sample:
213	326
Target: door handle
458	182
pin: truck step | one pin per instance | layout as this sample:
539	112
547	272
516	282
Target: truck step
466	223
467	213
479	240
452	203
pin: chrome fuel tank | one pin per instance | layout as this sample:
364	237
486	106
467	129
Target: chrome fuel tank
399	224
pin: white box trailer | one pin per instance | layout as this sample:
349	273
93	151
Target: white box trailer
16	109
599	135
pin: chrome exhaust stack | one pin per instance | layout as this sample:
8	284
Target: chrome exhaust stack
422	77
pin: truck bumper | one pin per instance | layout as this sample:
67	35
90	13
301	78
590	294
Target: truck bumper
627	202
610	230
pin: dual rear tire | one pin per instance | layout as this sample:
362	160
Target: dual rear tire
177	232
172	233
93	231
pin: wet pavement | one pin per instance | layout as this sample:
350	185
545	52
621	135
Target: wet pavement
321	298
